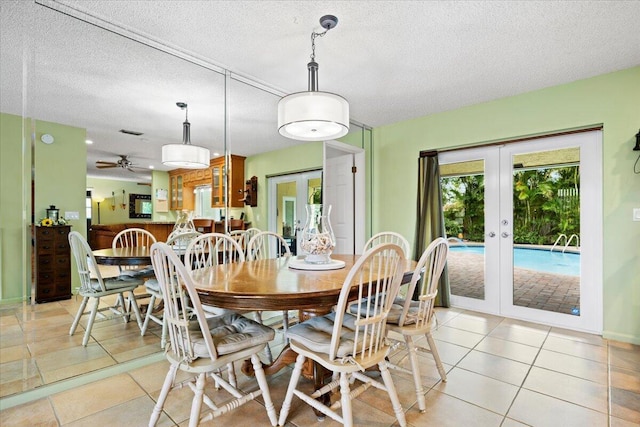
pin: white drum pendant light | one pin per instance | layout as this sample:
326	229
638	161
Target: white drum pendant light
185	155
314	115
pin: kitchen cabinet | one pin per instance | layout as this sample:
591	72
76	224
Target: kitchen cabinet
182	182
234	191
180	192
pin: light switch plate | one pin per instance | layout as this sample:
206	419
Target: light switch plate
636	214
72	215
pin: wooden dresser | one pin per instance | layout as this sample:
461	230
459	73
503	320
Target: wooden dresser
52	257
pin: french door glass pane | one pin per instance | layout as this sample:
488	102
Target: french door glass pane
546	230
285	223
463	201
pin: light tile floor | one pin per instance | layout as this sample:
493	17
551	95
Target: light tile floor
36	349
501	372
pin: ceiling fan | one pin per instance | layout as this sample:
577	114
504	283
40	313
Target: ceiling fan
123	163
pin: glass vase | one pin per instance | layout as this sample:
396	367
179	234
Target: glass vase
317	240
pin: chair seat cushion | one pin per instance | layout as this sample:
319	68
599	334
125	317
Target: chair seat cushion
396	311
315	334
152	285
139	273
115	283
231	332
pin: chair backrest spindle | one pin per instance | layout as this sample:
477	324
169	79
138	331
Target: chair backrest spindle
432	263
376	278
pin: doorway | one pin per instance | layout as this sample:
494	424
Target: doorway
344	191
524	222
288	196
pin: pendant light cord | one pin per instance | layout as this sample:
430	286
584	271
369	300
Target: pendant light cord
313	43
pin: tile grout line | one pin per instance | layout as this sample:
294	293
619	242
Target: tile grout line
526	376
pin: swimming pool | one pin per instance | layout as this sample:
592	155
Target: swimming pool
535	259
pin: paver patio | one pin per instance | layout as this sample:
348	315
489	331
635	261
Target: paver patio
535	289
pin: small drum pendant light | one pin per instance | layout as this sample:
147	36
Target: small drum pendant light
185	155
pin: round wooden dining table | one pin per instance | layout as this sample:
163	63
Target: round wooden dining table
271	285
123	256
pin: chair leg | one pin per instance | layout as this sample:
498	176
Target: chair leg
267	349
196	404
285	325
293	383
231	372
415	370
163	340
147	316
166	387
92	317
262	383
136	309
345	399
393	394
76	320
436	356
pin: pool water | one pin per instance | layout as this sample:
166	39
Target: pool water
536	259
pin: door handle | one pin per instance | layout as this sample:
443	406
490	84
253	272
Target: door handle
505	234
492	234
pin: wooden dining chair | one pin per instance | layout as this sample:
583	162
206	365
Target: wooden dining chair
212	249
204	347
268	245
389	237
349	343
240	236
94	286
412	319
249	233
134	237
178	242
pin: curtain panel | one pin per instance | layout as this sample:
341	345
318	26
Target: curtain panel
430	218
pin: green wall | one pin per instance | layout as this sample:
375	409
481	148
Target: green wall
59	175
15	207
612	100
104	188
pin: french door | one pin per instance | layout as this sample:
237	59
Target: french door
524	222
288	196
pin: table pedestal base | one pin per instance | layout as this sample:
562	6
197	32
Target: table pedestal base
310	370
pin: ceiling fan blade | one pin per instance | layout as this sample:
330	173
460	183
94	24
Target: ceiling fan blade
106	166
106	163
130	169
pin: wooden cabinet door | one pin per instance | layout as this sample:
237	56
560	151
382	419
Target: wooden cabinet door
217	190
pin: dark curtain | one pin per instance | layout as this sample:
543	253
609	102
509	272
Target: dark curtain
430	218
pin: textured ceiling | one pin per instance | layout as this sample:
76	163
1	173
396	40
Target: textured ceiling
393	61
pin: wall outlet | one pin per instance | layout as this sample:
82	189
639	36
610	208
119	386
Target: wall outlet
636	214
72	215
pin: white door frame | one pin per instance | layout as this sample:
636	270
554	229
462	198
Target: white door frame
346	197
301	179
491	301
591	220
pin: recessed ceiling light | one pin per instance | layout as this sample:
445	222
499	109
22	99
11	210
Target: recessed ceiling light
89	142
216	154
151	167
